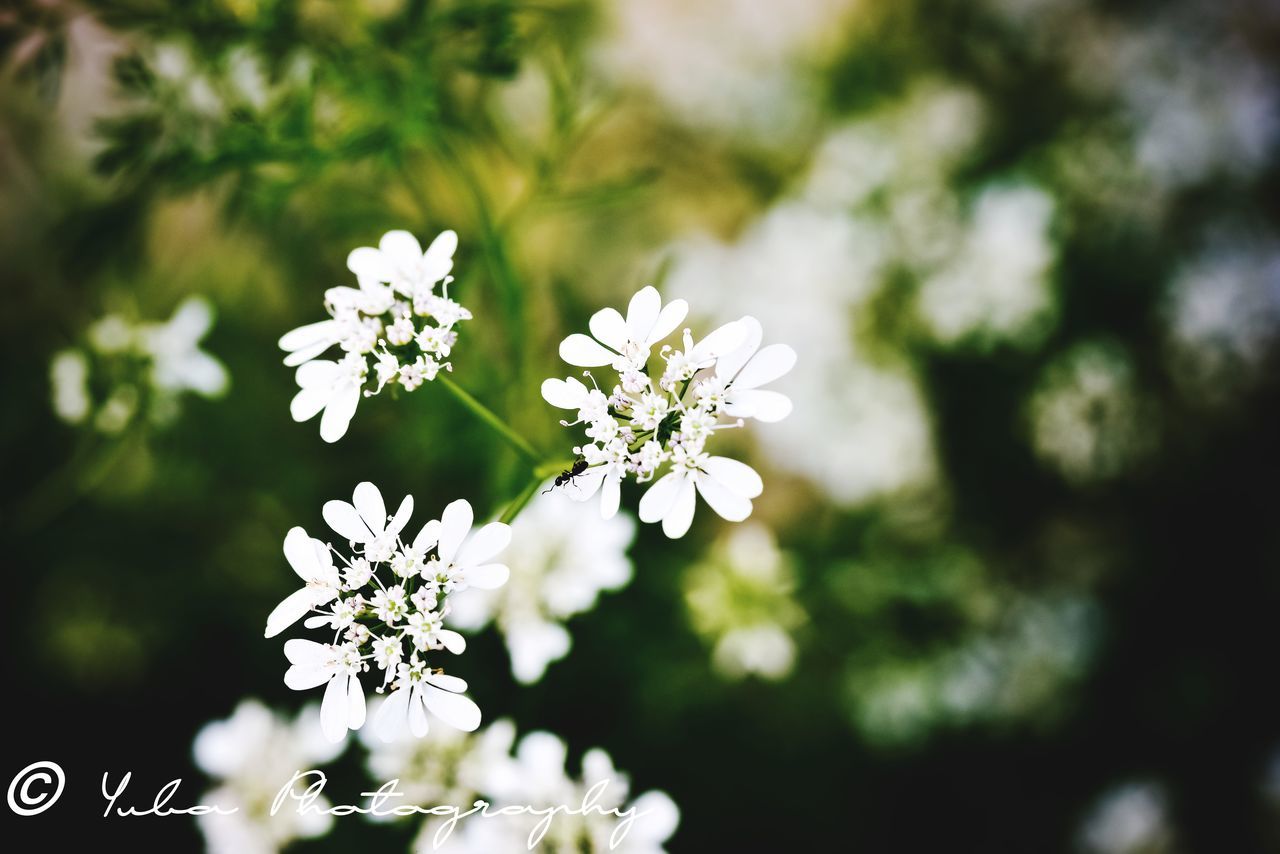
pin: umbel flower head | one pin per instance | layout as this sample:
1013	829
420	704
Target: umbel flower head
654	422
392	329
386	603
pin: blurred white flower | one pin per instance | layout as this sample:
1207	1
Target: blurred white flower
535	777
1024	661
394	329
1087	416
564	555
741	601
177	362
734	66
373	621
248	755
884	442
149	367
1222	315
1129	819
69	377
996	284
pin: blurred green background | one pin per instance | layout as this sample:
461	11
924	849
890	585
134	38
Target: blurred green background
1015	572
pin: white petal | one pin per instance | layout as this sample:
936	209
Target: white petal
490	576
456	710
428	536
585	351
294	607
315	621
306	354
369	265
204	374
642	312
309	335
739	478
673	314
447	682
484	544
657	500
305	652
334	708
418	724
369	504
318	373
301	554
582	487
192	319
721	340
609	328
453	641
337	415
355	703
680	516
344	519
393	715
761	404
401	248
307	402
566	394
770	363
455	523
727	503
730	363
403	512
302	677
610	496
438	260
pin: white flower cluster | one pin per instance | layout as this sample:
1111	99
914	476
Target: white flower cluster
386	606
248	755
651	420
393	329
591	814
130	371
561	562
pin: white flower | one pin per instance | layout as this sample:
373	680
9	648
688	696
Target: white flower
444	557
365	519
561	561
311	560
740	374
400	262
248	755
332	388
419	691
465	564
374	320
148	365
336	667
178	364
639	427
725	484
629	341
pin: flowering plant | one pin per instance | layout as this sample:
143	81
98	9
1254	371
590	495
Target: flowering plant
386	605
395	316
642	426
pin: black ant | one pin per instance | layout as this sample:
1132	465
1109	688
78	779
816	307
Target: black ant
567	476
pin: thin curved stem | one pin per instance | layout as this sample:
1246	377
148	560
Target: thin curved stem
485	414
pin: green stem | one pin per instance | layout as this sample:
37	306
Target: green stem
487	415
525	496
